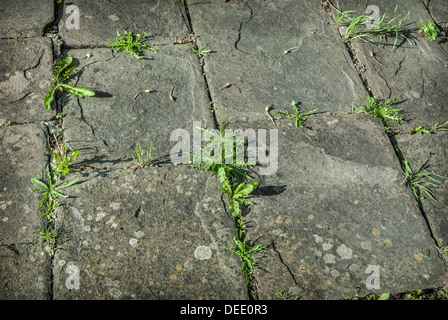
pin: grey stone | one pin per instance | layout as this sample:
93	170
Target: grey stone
414	74
106	128
248	40
156	233
333	208
429	151
100	20
24	272
23	158
25	18
25	79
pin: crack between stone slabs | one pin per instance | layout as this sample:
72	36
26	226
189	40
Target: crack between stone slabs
56	19
201	65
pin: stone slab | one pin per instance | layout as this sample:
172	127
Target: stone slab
23	157
106	128
333	208
24	272
248	40
430	149
415	73
156	233
100	20
25	79
24	266
25	18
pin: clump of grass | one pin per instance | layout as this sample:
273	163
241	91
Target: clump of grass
131	43
297	116
143	158
382	110
356	26
418	181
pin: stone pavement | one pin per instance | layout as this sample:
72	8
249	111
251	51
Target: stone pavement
333	211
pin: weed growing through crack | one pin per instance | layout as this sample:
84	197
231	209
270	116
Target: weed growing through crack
430	29
231	174
297	116
143	158
131	44
51	193
356	26
382	110
418	181
199	52
61	74
64	156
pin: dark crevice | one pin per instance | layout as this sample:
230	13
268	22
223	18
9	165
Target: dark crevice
201	64
241	27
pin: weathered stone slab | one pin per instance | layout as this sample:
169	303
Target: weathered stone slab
23	157
100	20
23	262
24	272
430	149
156	233
25	18
415	73
106	128
248	40
333	208
25	79
439	12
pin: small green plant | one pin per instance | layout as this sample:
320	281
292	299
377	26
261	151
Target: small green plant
429	29
58	79
199	52
143	158
435	127
246	255
297	116
7	123
130	44
49	190
384	111
384	296
442	249
64	157
416	180
356	27
49	237
182	2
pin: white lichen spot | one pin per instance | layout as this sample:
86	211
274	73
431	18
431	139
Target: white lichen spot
366	245
317	238
334	273
139	234
327	246
86	228
115	205
100	216
344	252
203	253
61	263
354	267
329	258
133	242
5	219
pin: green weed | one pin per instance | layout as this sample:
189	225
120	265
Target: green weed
130	44
49	237
384	111
429	29
49	190
143	158
246	255
199	52
297	116
356	27
58	79
418	181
